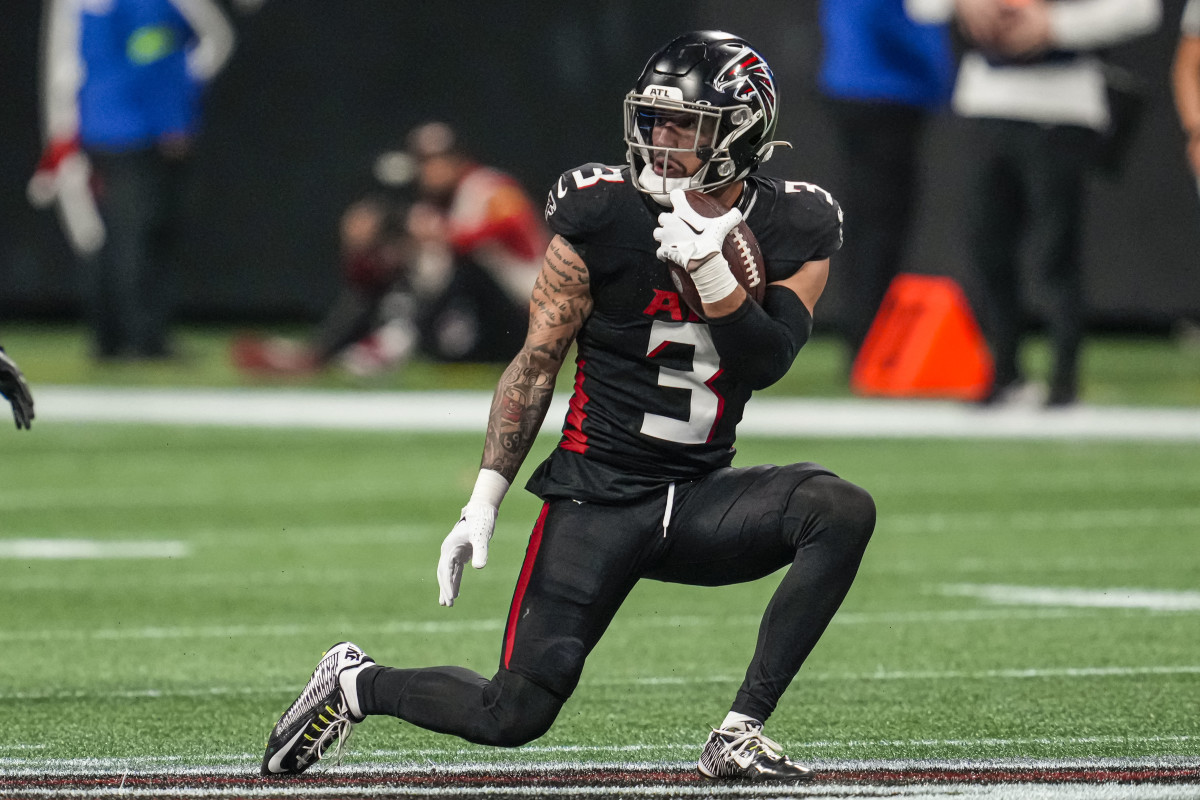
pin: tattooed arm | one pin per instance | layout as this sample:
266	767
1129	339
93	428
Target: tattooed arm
560	303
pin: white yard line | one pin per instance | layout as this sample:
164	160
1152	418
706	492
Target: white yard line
1115	597
1015	791
461	626
929	675
826	790
663	680
467	412
465	760
1097	519
89	549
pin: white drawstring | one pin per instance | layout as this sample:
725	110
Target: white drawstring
670	505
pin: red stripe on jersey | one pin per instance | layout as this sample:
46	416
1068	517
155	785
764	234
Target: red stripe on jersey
576	439
720	404
514	612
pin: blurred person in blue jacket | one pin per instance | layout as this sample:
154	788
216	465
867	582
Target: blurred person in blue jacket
884	74
122	90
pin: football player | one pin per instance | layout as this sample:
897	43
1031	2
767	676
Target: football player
15	390
641	483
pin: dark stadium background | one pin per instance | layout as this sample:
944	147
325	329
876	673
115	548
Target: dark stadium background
317	87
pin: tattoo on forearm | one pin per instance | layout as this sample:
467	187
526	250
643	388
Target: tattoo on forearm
557	309
518	408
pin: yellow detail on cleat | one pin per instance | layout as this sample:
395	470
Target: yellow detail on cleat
322	718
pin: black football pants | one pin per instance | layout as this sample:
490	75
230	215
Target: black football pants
1028	184
128	285
583	559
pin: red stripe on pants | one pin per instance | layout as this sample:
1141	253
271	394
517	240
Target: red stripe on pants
535	541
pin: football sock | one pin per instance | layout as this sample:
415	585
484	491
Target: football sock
734	718
348	680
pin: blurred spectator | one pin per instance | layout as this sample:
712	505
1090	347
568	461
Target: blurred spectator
1185	80
122	82
884	73
15	390
1033	90
480	241
448	275
372	322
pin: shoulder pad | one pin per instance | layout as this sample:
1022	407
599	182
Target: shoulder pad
580	201
813	211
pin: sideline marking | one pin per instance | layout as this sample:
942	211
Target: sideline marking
1117	597
511	762
1127	779
86	549
467	412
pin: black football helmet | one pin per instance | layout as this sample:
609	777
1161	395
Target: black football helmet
728	87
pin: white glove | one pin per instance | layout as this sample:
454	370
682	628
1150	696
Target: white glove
693	241
468	540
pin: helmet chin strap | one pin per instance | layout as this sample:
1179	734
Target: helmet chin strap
648	178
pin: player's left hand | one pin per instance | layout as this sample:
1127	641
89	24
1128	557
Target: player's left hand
468	541
687	237
14	389
42	188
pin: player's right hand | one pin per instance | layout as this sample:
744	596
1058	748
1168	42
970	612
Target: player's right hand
14	389
687	237
468	541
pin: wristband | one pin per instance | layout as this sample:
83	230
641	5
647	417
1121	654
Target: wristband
490	488
713	279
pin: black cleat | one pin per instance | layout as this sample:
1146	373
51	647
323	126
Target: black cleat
741	752
320	716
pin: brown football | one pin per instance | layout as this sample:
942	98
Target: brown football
740	249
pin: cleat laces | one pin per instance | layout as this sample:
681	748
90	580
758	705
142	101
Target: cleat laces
339	728
743	746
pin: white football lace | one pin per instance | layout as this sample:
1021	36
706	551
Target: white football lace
746	741
341	727
747	257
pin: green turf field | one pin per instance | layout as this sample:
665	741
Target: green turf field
280	543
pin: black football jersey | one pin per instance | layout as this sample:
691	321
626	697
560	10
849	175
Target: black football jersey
651	403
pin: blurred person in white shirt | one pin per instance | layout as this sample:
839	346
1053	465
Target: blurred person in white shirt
1033	90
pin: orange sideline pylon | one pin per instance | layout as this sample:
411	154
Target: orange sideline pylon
924	342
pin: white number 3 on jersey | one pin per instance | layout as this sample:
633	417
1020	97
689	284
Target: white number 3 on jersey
705	403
